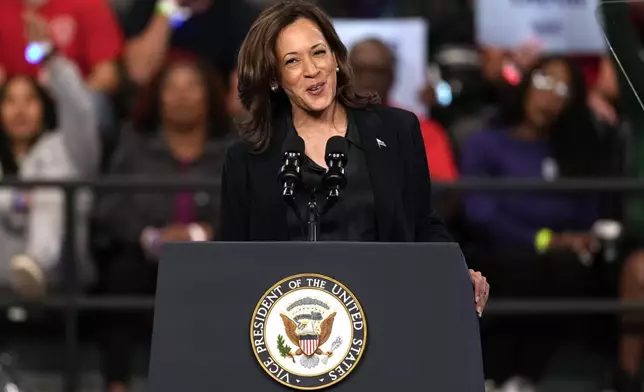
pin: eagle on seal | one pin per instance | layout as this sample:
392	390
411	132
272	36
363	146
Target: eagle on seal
308	331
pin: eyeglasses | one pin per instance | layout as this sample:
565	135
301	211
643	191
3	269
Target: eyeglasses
547	83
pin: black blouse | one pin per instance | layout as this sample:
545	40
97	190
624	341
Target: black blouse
352	218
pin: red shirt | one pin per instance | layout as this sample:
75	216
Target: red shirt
86	31
439	151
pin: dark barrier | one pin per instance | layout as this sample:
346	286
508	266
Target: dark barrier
71	301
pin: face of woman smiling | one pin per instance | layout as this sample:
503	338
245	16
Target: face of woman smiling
307	67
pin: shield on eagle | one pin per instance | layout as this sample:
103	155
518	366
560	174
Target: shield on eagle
309	344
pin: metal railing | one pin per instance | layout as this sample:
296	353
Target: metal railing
71	301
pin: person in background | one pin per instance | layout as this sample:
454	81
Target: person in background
450	23
39	142
209	29
535	245
180	130
625	33
502	67
374	67
85	31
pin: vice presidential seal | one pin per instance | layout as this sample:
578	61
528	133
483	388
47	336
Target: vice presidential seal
308	331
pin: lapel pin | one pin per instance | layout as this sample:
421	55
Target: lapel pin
381	143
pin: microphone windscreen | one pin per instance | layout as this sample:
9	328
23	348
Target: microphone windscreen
293	143
337	145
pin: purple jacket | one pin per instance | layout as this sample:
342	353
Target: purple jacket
512	219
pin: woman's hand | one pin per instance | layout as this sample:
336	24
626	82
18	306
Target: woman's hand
175	233
602	108
481	291
585	245
576	242
182	233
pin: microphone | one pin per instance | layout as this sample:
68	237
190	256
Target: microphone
290	174
335	180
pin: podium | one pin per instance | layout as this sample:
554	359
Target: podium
308	316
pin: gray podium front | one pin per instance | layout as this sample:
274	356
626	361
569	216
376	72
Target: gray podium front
421	327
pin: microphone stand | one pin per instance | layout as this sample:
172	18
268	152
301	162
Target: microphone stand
313	219
334	180
313	214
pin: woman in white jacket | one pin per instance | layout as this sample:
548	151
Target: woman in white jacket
34	148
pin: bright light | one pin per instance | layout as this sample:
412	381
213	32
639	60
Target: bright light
444	93
511	74
35	52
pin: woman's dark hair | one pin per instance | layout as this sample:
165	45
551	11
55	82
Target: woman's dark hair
146	111
49	123
573	138
258	66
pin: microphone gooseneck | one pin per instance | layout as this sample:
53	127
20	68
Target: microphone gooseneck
290	174
335	179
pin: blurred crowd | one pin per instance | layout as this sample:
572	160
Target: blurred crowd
139	89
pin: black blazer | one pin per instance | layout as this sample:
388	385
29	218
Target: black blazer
253	209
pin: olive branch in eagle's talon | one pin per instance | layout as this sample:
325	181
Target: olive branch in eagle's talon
284	349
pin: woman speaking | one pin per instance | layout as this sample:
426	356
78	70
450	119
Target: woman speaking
294	80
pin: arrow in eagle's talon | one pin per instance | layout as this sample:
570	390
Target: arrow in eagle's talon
328	355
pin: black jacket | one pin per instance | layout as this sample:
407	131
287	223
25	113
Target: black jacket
253	209
120	217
